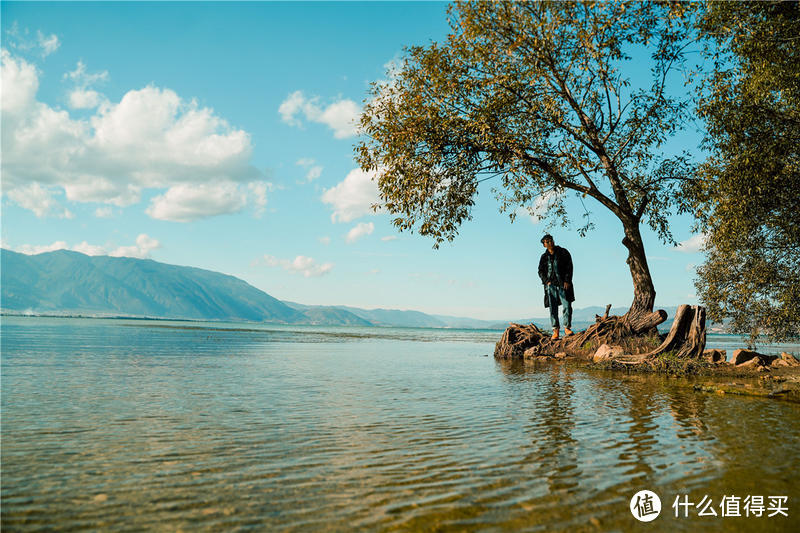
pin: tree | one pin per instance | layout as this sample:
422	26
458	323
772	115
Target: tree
535	93
748	197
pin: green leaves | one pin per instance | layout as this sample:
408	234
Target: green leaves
747	199
533	92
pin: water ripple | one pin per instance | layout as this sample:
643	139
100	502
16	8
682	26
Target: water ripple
112	427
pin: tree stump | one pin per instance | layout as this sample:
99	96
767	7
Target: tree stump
686	338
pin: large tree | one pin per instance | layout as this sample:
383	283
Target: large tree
541	95
748	199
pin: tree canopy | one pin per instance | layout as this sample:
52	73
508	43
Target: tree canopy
748	195
539	95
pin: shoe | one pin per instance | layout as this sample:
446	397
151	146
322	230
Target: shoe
555	335
568	332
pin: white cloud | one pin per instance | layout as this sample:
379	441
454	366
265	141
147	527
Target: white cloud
144	245
35	249
393	69
325	240
313	171
341	116
358	231
353	197
300	264
39	200
388	238
83	78
20	83
541	204
150	139
188	202
21	39
292	106
84	99
386	85
103	212
141	250
48	44
692	245
89	249
258	195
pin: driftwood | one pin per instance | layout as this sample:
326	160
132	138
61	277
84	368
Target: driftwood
686	339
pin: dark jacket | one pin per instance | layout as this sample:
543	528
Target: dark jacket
563	264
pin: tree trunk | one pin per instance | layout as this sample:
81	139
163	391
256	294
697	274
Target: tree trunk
687	336
644	293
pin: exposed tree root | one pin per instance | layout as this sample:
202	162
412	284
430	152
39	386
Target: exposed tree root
634	336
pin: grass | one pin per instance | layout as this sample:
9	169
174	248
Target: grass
669	363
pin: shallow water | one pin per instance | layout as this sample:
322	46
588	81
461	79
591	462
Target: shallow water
129	425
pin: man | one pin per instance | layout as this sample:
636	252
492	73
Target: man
555	269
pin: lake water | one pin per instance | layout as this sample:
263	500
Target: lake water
119	425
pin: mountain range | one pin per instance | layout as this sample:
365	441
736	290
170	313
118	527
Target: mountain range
71	283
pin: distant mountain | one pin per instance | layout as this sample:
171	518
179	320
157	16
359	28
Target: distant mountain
377	317
392	317
65	282
467	323
329	315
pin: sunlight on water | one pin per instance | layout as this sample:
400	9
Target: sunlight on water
115	425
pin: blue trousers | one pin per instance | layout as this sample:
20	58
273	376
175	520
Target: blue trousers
557	295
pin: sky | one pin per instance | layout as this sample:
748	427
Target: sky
221	135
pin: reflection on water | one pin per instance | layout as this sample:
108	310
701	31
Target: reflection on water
112	426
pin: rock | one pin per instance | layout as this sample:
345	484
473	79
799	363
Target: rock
561	355
789	359
531	352
756	363
767	360
749	363
742	356
715	356
607	351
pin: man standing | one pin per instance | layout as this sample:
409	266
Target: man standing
555	269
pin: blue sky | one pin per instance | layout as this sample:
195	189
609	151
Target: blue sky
220	135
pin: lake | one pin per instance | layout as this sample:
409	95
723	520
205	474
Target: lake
120	425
